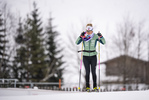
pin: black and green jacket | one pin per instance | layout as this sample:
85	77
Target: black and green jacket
90	45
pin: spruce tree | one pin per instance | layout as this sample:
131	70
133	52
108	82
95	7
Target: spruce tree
54	70
35	48
19	66
4	70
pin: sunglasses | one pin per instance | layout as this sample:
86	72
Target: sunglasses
88	30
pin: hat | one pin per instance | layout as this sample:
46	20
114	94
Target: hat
89	28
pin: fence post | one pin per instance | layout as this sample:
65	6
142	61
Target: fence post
59	84
14	83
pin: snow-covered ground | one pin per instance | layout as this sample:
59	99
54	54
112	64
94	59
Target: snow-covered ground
37	94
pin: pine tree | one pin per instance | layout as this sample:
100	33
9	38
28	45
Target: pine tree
54	70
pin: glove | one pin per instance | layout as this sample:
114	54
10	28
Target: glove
100	35
82	34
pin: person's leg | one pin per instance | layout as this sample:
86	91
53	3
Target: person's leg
93	68
87	69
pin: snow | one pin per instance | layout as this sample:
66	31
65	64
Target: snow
37	94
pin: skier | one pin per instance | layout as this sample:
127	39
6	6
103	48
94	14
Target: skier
89	40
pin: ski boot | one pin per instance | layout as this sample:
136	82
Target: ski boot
87	89
95	89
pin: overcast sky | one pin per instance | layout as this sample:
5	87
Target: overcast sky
104	14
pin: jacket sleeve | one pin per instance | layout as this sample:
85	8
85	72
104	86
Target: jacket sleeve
102	40
79	40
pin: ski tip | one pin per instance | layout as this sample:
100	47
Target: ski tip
79	88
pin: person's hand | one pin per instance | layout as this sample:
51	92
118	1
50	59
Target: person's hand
82	34
99	34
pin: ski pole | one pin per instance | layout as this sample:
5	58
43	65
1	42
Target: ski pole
80	67
99	61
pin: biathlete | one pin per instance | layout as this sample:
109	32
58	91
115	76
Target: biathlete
89	39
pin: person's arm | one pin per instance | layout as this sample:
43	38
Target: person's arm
101	39
79	40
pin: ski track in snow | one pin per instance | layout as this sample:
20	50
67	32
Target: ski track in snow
32	94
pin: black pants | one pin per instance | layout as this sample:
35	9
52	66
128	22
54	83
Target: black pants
90	61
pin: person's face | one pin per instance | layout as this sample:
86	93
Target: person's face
89	32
